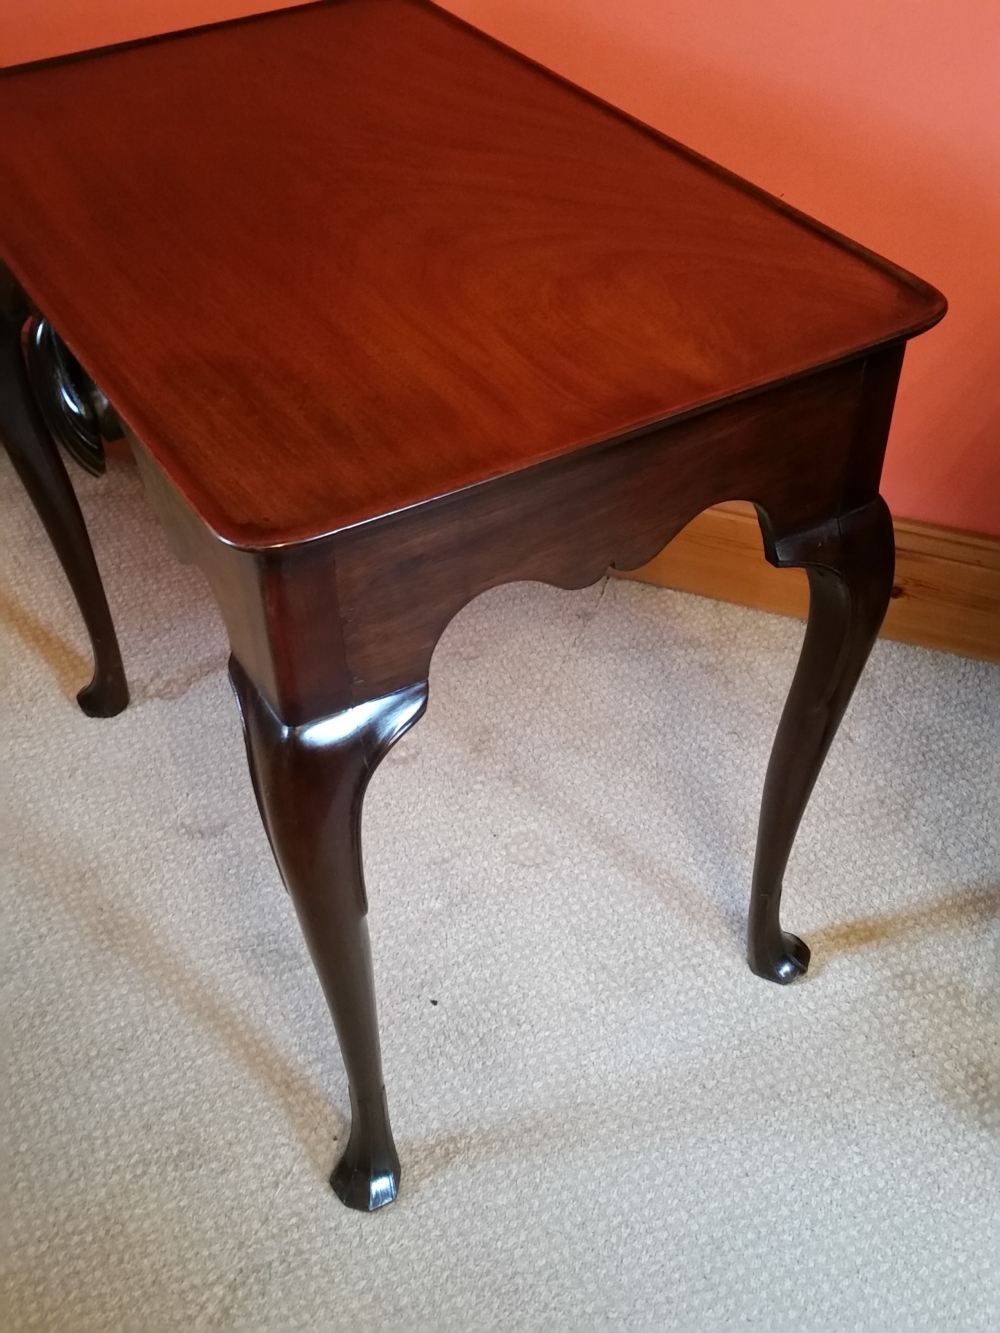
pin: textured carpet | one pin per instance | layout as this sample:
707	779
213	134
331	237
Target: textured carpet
604	1119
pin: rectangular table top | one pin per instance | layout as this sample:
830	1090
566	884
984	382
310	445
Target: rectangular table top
338	260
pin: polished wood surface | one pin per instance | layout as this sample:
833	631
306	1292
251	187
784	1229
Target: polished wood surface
391	317
363	246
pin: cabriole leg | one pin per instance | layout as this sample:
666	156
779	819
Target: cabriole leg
310	782
850	563
38	464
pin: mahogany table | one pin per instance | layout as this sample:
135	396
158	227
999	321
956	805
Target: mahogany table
391	316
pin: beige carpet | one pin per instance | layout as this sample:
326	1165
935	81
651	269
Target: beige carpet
604	1119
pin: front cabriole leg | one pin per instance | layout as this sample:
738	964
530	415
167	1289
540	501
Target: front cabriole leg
310	782
850	562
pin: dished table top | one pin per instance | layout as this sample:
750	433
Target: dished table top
334	261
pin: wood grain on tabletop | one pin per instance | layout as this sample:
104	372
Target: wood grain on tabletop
338	260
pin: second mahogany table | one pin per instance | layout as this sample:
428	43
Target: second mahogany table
392	316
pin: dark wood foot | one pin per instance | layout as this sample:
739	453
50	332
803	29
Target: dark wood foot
850	563
40	468
310	782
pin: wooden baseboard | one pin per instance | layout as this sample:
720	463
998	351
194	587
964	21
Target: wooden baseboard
946	593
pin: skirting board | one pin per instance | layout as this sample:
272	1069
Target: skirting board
946	593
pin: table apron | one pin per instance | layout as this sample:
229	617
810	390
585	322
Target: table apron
333	622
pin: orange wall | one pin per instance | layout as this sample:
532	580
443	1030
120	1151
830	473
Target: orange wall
38	29
881	117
